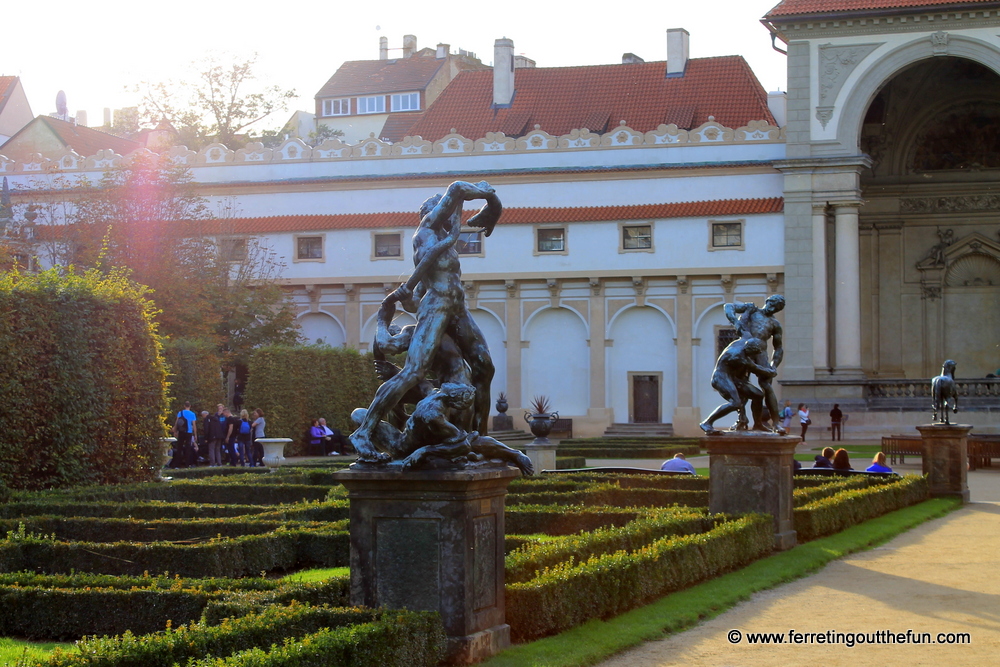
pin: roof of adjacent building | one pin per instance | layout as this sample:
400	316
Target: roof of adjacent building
511	216
598	97
789	8
7	85
372	77
397	125
85	141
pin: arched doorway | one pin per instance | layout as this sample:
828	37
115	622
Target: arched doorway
930	248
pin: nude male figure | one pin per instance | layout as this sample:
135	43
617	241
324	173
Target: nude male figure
760	323
441	309
732	380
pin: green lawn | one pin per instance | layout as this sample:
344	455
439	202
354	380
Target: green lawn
318	574
17	651
597	640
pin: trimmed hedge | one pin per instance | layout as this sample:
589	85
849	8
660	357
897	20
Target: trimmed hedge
847	508
418	636
294	385
241	556
136	509
804	496
531	559
194	371
609	450
612	494
624	480
236	492
60	608
83	381
570	594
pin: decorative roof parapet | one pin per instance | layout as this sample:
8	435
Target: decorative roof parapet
295	150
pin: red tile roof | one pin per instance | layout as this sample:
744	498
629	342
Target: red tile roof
511	216
7	84
397	125
370	77
85	140
561	99
788	8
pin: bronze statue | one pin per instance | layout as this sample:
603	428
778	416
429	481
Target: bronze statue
761	324
943	388
445	344
732	380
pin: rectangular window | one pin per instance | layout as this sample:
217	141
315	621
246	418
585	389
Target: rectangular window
309	247
470	243
341	107
637	237
723	337
552	240
406	102
388	245
374	104
727	235
233	250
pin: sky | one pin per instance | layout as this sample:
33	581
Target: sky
95	52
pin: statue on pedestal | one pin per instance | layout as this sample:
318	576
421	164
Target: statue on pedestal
445	347
943	389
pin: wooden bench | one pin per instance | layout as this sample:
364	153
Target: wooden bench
562	428
902	446
982	448
833	472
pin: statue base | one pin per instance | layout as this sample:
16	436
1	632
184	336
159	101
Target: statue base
946	459
433	540
503	423
752	472
542	453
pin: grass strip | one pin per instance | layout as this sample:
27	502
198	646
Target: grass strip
317	574
18	651
597	640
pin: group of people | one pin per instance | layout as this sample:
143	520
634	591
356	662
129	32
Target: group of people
839	460
217	438
837	419
326	441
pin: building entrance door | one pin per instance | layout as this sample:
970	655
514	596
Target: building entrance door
645	399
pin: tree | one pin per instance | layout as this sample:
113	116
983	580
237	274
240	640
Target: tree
219	104
208	281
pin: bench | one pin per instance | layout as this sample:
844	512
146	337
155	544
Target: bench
562	428
982	448
833	472
902	446
624	471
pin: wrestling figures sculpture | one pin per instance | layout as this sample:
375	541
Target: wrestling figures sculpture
448	368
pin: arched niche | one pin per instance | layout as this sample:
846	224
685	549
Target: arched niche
322	329
493	332
643	346
556	362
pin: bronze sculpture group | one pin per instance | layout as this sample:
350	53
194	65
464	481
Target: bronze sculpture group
746	356
448	369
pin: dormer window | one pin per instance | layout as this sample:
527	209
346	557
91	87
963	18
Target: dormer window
341	107
406	102
374	104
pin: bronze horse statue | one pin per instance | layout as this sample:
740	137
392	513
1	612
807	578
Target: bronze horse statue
943	387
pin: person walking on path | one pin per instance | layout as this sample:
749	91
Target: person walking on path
836	419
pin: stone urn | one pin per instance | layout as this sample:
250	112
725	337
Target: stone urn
501	404
274	451
165	445
540	418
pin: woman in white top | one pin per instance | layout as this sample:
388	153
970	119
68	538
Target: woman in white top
804	420
258	432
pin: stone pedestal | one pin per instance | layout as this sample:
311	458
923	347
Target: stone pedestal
433	541
946	458
503	423
753	473
542	453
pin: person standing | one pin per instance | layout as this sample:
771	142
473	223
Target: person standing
804	420
232	444
185	433
836	419
218	433
786	416
245	454
258	432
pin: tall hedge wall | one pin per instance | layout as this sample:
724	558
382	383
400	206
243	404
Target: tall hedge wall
296	384
194	374
83	382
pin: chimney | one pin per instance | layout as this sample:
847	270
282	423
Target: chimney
442	51
631	59
81	118
521	62
107	117
777	103
383	48
409	45
503	72
677	51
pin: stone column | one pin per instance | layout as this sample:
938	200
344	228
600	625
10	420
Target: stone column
433	541
847	292
352	317
946	458
821	334
513	327
753	473
687	414
598	408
